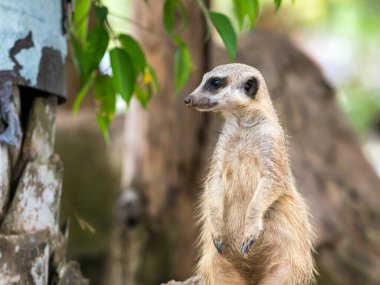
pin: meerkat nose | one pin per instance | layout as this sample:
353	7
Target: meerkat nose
188	101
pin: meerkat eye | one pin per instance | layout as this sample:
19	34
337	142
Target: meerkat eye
251	86
215	83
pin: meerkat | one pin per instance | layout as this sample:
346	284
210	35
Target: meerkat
255	225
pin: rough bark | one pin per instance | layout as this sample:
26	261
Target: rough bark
32	247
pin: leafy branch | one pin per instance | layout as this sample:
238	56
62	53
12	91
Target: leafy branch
131	73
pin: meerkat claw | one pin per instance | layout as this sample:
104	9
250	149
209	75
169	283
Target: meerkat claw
247	244
218	244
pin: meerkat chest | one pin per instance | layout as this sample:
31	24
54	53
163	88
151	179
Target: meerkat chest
240	174
240	167
235	172
240	158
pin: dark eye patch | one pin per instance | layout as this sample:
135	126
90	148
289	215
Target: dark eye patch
215	83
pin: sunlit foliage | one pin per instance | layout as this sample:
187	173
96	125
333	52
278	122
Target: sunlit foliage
131	73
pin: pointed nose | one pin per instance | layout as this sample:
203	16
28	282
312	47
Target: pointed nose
188	101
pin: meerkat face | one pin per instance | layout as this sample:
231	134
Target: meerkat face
227	88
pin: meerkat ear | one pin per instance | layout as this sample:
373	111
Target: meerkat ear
251	86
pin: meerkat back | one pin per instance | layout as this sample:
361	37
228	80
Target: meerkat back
255	225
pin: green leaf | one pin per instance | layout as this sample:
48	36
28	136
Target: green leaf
96	46
88	55
156	83
253	11
142	95
169	15
77	55
171	7
241	10
277	3
124	75
103	123
244	8
205	13
182	66
83	92
105	93
184	13
101	13
224	28
133	48
81	18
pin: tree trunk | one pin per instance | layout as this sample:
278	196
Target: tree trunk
32	247
164	154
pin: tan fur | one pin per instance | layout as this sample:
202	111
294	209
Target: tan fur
250	192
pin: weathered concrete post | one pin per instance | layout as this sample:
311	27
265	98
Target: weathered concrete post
32	82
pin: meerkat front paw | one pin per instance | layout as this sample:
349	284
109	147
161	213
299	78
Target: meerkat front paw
248	242
218	243
251	236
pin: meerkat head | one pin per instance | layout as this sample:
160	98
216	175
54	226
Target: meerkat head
229	87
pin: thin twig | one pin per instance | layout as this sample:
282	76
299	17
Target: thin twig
206	15
83	224
136	23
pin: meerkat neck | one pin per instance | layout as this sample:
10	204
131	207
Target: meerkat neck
249	118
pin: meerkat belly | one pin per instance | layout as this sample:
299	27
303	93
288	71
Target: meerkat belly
241	176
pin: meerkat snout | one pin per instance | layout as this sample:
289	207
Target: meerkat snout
188	101
200	102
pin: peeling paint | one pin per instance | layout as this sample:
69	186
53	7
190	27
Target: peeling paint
40	22
20	44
